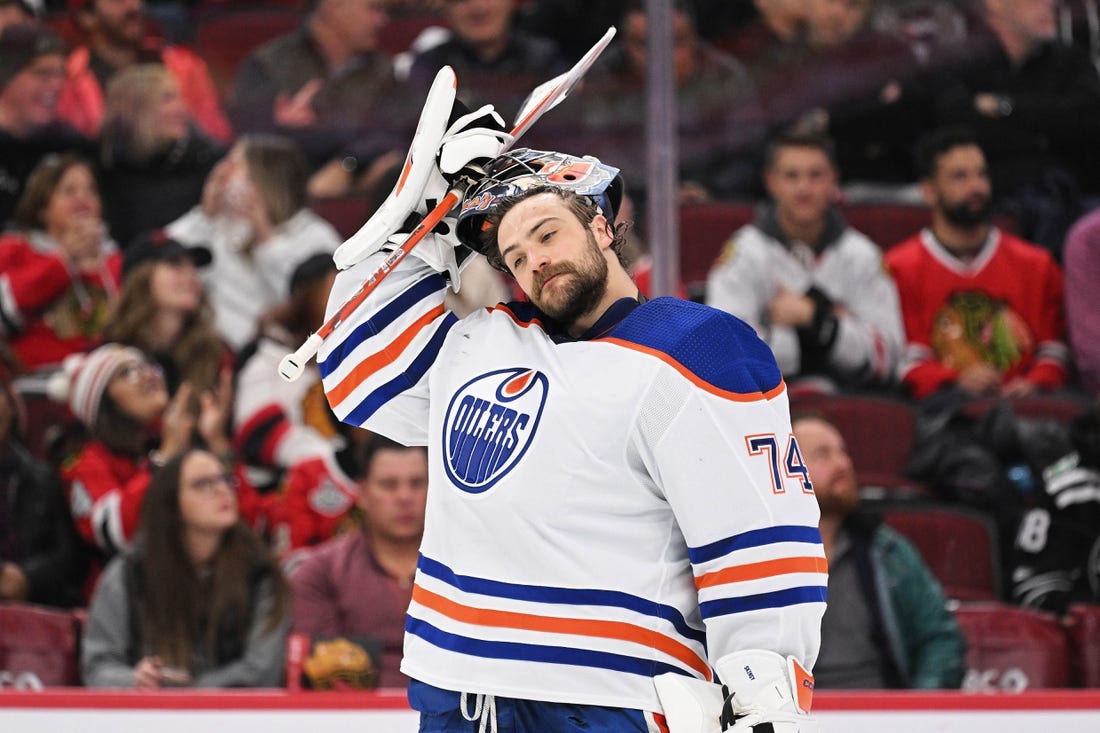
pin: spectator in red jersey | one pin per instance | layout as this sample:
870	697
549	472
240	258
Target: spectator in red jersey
286	433
115	37
983	310
360	584
59	275
132	425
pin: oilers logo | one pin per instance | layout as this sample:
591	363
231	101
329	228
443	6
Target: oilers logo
489	425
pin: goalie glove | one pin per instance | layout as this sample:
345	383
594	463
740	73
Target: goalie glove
761	693
440	249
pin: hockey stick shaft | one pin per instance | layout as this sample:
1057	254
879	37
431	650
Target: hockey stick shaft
546	97
292	366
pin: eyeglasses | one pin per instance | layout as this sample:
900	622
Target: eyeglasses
207	484
133	371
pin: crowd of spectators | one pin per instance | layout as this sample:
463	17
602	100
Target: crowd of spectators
161	250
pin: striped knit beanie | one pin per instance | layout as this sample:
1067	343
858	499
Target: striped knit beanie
84	378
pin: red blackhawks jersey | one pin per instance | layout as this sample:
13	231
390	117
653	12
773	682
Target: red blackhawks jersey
600	510
1003	308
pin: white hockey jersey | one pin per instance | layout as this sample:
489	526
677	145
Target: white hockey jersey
600	511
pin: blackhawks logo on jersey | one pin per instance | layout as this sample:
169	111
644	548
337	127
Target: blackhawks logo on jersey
489	425
972	328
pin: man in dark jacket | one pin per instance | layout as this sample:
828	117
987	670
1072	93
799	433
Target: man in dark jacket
40	557
887	624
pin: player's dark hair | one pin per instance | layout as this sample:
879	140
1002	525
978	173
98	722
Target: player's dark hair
933	146
813	140
583	207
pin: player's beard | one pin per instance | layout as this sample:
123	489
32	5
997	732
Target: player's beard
580	288
971	212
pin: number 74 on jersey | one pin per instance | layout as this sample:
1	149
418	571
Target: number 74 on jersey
789	465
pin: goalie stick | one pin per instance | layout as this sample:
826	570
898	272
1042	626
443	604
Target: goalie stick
543	98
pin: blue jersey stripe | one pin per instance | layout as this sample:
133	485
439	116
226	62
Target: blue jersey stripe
776	599
384	317
754	538
406	379
561	596
536	652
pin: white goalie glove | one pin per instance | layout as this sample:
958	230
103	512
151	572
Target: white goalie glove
440	155
762	692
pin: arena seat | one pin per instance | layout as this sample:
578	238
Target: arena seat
39	646
1083	625
704	228
1012	649
346	213
878	432
887	224
403	28
225	37
958	545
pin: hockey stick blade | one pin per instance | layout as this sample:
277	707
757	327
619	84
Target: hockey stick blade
544	98
549	94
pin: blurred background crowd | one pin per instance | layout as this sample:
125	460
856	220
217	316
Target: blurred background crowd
901	196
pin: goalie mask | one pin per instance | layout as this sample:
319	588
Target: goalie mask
520	170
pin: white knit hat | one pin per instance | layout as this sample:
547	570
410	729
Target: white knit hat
84	378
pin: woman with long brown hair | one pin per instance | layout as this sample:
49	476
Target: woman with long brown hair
199	602
163	310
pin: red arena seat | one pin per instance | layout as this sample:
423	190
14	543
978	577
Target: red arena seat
958	545
1012	649
38	647
345	213
887	224
878	432
704	228
225	38
1083	624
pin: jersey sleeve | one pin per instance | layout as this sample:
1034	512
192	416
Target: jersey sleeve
871	336
375	366
105	508
716	439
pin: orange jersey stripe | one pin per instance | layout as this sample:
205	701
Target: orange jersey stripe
694	379
765	569
579	627
383	358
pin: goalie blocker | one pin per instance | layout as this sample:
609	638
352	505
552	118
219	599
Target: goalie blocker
761	692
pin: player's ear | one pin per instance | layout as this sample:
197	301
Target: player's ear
601	230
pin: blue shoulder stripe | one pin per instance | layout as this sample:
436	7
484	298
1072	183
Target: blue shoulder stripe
775	599
406	379
536	652
719	348
754	538
384	317
561	596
